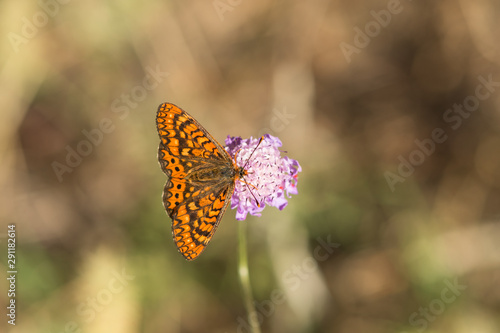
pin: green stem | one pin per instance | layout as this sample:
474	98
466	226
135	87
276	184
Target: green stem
243	273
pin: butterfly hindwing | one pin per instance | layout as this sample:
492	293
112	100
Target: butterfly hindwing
193	225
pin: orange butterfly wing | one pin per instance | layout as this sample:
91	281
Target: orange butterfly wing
201	179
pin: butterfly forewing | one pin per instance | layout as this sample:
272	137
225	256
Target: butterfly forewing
201	179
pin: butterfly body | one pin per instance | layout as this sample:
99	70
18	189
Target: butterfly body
202	177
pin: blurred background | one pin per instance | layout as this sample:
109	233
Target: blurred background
391	107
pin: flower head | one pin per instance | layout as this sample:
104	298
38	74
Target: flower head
270	178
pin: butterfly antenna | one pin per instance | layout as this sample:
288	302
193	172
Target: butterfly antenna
249	190
248	159
244	166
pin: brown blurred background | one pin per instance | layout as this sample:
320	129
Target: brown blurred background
387	234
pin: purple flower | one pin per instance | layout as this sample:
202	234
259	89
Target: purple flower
270	179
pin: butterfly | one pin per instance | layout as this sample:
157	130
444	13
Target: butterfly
202	177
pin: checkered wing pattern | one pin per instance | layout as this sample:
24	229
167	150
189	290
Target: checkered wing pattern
201	179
